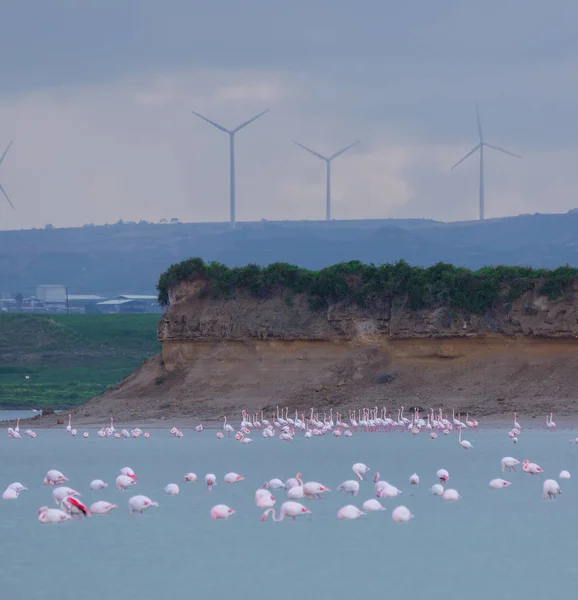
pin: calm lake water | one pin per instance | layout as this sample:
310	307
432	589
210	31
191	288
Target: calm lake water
9	415
499	543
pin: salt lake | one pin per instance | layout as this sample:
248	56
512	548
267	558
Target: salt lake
491	543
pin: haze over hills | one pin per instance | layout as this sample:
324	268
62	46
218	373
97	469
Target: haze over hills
128	258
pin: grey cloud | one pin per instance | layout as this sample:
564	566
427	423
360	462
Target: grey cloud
97	96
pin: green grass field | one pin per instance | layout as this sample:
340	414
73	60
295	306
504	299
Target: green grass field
69	359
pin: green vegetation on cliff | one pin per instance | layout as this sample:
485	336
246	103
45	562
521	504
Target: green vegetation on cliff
60	361
440	285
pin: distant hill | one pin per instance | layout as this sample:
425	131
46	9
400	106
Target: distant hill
128	258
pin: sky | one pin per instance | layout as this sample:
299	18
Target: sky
97	98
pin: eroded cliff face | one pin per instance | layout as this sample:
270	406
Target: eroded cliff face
290	317
258	352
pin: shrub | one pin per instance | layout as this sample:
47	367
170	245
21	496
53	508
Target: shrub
366	284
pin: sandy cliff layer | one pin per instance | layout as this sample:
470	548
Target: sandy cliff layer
223	355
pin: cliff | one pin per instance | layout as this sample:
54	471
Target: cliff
192	316
490	344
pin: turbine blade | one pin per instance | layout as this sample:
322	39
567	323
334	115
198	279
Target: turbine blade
249	121
466	156
212	122
312	152
344	150
5	152
6	196
501	150
479	122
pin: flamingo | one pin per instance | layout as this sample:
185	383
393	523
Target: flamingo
101	508
289	509
550	488
98	484
508	462
264	498
124	481
313	490
296	492
350	487
54	477
377	483
69	426
442	475
10	494
349	512
52	515
388	491
516	424
401	514
564	475
451	495
274	484
550	424
221	511
531	468
228	428
414	479
192	477
437	489
172	489
464	443
498	484
360	470
211	481
73	506
372	505
138	504
233	478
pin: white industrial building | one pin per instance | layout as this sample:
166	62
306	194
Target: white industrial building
51	294
129	303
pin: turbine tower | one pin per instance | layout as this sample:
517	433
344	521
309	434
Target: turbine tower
1	188
231	133
480	147
328	160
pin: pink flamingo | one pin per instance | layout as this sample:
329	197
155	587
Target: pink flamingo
221	511
289	509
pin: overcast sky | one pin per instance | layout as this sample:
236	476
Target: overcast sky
97	99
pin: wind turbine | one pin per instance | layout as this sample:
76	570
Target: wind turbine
231	133
328	160
480	147
1	188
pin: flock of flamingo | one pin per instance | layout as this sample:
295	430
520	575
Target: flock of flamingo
285	428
